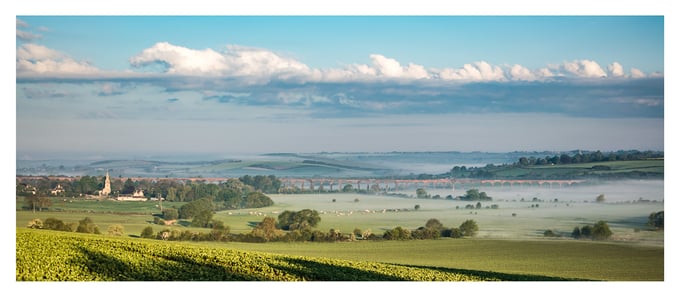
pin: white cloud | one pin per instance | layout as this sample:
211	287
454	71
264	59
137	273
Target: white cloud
23	35
636	73
235	61
27	36
249	66
616	70
584	68
477	71
37	59
181	60
519	72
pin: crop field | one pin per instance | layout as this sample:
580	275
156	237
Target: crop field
80	257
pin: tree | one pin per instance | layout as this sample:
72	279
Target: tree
298	220
86	225
36	202
191	209
203	218
147	232
170	214
474	195
576	233
115	230
469	228
601	231
586	231
421	193
267	229
56	224
434	224
347	188
417	207
453	233
397	233
655	220
256	200
600	198
35	224
128	187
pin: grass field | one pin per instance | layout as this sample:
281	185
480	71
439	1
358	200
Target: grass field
574	208
646	167
556	258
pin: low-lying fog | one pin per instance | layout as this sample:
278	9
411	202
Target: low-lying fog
614	191
513	219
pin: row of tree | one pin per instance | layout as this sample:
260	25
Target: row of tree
589	157
297	226
85	225
170	189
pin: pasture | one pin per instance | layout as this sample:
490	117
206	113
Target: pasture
574	207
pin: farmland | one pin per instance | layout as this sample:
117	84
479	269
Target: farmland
509	245
79	257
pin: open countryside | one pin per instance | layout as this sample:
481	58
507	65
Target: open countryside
511	239
384	148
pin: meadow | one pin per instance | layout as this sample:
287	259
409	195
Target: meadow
510	238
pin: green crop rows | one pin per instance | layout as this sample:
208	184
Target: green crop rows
59	256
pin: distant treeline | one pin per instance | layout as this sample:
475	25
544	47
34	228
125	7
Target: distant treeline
233	191
589	157
574	157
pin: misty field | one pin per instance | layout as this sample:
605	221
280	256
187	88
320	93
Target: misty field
574	207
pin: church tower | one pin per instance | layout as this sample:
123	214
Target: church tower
107	186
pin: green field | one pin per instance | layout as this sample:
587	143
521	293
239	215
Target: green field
654	167
554	258
506	243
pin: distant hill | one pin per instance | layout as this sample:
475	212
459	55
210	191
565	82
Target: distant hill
327	164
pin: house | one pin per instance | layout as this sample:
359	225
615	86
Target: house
58	190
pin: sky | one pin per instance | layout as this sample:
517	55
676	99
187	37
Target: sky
94	85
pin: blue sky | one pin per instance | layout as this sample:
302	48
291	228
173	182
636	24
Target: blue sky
92	85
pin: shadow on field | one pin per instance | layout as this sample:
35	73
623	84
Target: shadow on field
138	265
315	271
156	268
490	275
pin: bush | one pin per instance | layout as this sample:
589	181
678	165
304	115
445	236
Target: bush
550	233
397	233
601	231
147	232
35	224
469	228
170	214
656	220
115	230
453	233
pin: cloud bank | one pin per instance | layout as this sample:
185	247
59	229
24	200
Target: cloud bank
385	85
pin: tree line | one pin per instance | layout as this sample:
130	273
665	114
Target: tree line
169	189
589	157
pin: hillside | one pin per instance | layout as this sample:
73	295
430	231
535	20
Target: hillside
82	257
